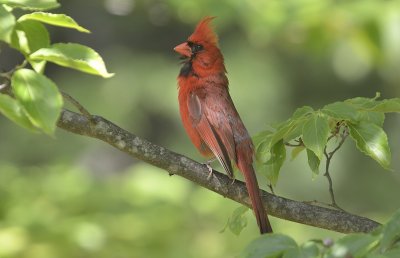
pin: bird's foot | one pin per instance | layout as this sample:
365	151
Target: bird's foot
210	170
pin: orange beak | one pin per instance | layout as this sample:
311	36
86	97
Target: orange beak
183	49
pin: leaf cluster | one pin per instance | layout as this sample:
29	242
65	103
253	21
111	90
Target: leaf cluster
384	242
314	130
34	101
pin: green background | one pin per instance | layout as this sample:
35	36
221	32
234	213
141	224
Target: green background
71	196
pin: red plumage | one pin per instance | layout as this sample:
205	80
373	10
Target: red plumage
209	115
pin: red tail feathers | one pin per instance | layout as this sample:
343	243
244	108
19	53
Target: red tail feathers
254	193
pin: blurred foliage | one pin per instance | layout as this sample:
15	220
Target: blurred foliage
383	242
61	211
70	196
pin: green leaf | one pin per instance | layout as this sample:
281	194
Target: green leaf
292	127
262	146
282	131
387	106
296	131
313	162
354	245
390	232
60	20
268	246
7	23
238	221
32	4
261	137
287	131
372	140
11	109
373	117
30	36
362	103
74	56
274	164
341	111
307	250
39	96
296	151
315	134
378	256
301	112
394	253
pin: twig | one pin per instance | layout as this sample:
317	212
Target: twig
9	74
174	163
271	188
331	205
328	157
78	105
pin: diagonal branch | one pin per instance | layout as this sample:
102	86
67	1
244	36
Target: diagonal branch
174	163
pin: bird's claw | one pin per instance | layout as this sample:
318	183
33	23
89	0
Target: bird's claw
210	170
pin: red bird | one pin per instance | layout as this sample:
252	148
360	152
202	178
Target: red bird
208	113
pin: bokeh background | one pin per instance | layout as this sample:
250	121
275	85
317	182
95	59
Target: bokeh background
71	196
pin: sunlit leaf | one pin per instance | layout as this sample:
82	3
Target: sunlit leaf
354	245
10	108
315	134
30	36
60	20
32	4
372	140
7	23
74	56
39	96
268	246
313	162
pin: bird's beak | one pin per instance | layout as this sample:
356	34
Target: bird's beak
183	49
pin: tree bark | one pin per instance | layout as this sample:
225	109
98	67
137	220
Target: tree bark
174	163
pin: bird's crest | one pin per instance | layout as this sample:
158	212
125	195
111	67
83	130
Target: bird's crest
204	32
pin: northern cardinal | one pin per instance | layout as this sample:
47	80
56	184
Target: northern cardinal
209	115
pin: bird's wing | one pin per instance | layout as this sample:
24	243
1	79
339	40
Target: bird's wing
212	114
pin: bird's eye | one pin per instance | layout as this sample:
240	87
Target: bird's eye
195	47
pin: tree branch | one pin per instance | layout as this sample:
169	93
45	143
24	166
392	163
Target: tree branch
174	163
